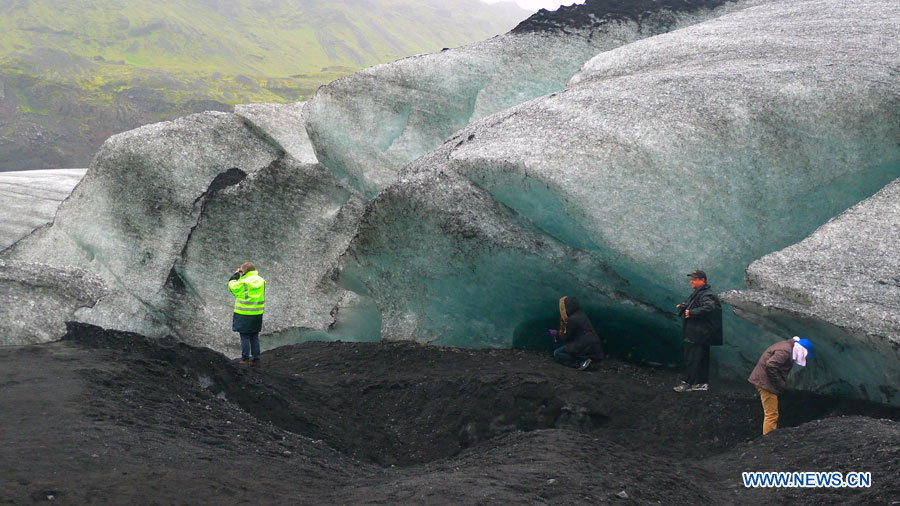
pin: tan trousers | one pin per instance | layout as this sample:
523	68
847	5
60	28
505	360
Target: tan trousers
770	409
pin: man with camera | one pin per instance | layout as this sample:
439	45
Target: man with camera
702	327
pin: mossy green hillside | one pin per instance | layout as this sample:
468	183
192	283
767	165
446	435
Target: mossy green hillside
72	72
103	83
240	37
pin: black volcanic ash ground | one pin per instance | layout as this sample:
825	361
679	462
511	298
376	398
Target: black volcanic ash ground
113	418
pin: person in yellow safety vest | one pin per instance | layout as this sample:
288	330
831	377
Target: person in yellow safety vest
249	291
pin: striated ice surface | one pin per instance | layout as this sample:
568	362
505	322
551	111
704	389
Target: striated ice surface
706	147
30	199
168	211
735	134
366	126
448	264
293	221
839	287
38	299
131	215
283	124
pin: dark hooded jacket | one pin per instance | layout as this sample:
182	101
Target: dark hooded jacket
579	336
705	324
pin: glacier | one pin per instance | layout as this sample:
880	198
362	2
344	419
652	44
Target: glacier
367	126
448	264
167	211
39	299
299	223
129	217
453	198
706	147
30	199
283	124
841	287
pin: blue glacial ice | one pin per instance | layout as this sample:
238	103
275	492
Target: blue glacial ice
366	126
448	264
462	193
840	287
706	147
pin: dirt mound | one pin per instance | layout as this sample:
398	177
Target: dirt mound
113	417
844	444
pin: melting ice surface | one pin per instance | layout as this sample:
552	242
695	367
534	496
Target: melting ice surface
168	211
367	126
706	147
839	286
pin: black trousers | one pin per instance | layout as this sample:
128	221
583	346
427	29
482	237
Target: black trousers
696	356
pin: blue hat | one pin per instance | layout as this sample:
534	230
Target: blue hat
806	343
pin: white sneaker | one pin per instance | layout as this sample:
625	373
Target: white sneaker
700	387
584	365
682	387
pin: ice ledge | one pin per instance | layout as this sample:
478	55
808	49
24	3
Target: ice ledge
840	287
846	273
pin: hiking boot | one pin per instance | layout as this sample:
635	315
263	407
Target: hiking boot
584	365
254	362
700	387
244	362
684	386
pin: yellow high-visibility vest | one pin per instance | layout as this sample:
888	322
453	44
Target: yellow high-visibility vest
249	292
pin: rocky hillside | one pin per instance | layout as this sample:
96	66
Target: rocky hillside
72	73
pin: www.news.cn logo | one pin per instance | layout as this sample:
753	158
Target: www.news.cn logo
806	480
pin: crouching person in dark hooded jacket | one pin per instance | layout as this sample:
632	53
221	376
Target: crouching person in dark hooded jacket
582	344
249	291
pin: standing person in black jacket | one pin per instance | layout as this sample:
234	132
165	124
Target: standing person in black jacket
582	343
702	327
